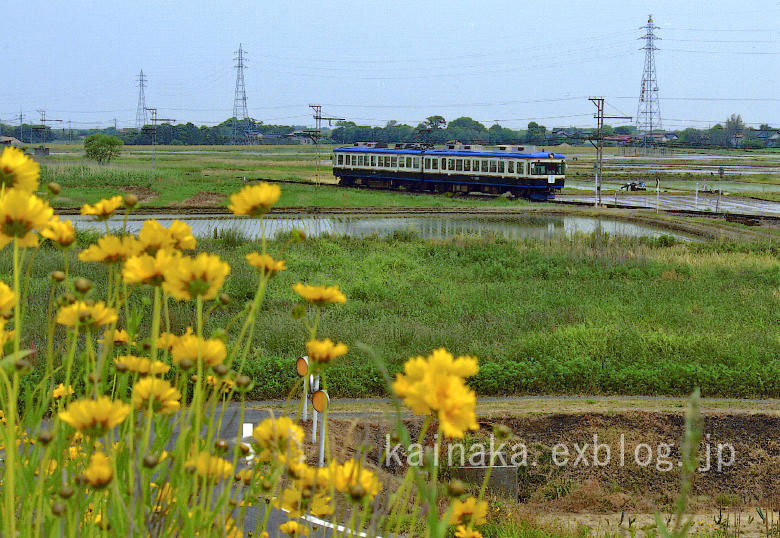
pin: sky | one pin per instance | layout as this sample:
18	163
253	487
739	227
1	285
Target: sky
371	62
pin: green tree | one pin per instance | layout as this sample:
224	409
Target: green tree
735	128
536	133
102	147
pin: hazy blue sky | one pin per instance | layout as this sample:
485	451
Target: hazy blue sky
373	61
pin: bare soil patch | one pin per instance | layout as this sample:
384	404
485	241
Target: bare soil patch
202	199
752	480
144	194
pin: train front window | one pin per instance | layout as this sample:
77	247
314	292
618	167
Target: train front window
547	169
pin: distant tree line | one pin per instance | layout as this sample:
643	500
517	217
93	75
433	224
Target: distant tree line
733	133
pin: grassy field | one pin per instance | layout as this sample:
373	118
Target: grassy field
588	315
198	175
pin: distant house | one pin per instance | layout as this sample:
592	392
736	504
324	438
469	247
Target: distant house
303	136
9	141
770	137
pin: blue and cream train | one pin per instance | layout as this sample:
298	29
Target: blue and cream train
519	170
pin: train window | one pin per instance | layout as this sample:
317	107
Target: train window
484	165
427	163
500	167
401	162
416	162
394	162
443	163
493	166
467	165
435	163
510	167
340	159
408	162
373	160
360	160
475	165
450	164
459	165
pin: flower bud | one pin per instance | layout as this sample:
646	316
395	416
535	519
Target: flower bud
45	437
58	508
121	367
92	378
243	381
66	492
186	364
244	448
82	285
57	276
221	445
150	460
131	200
357	492
502	431
80	479
194	378
456	488
220	369
54	188
224	298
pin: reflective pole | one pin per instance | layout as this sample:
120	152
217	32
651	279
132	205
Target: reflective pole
315	385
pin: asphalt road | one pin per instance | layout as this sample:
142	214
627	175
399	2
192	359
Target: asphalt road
688	202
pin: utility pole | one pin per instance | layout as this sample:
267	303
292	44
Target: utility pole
153	131
316	134
140	112
648	111
70	133
42	128
21	120
240	112
599	144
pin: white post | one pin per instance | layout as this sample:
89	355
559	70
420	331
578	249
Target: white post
697	196
305	412
322	444
314	387
657	195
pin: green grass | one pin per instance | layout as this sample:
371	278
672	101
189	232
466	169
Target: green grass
592	315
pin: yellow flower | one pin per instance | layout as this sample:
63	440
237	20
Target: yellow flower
95	417
165	398
265	264
210	467
146	269
103	209
211	351
278	436
167	340
60	232
99	472
435	384
293	501
294	528
119	336
80	313
202	276
255	200
352	473
142	365
467	532
320	295
21	213
468	512
181	233
61	390
324	350
7	299
111	249
18	171
154	236
224	384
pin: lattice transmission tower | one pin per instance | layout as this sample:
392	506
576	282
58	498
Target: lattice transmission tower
240	113
141	118
648	112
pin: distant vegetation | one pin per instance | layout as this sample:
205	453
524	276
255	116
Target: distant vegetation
732	133
102	147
